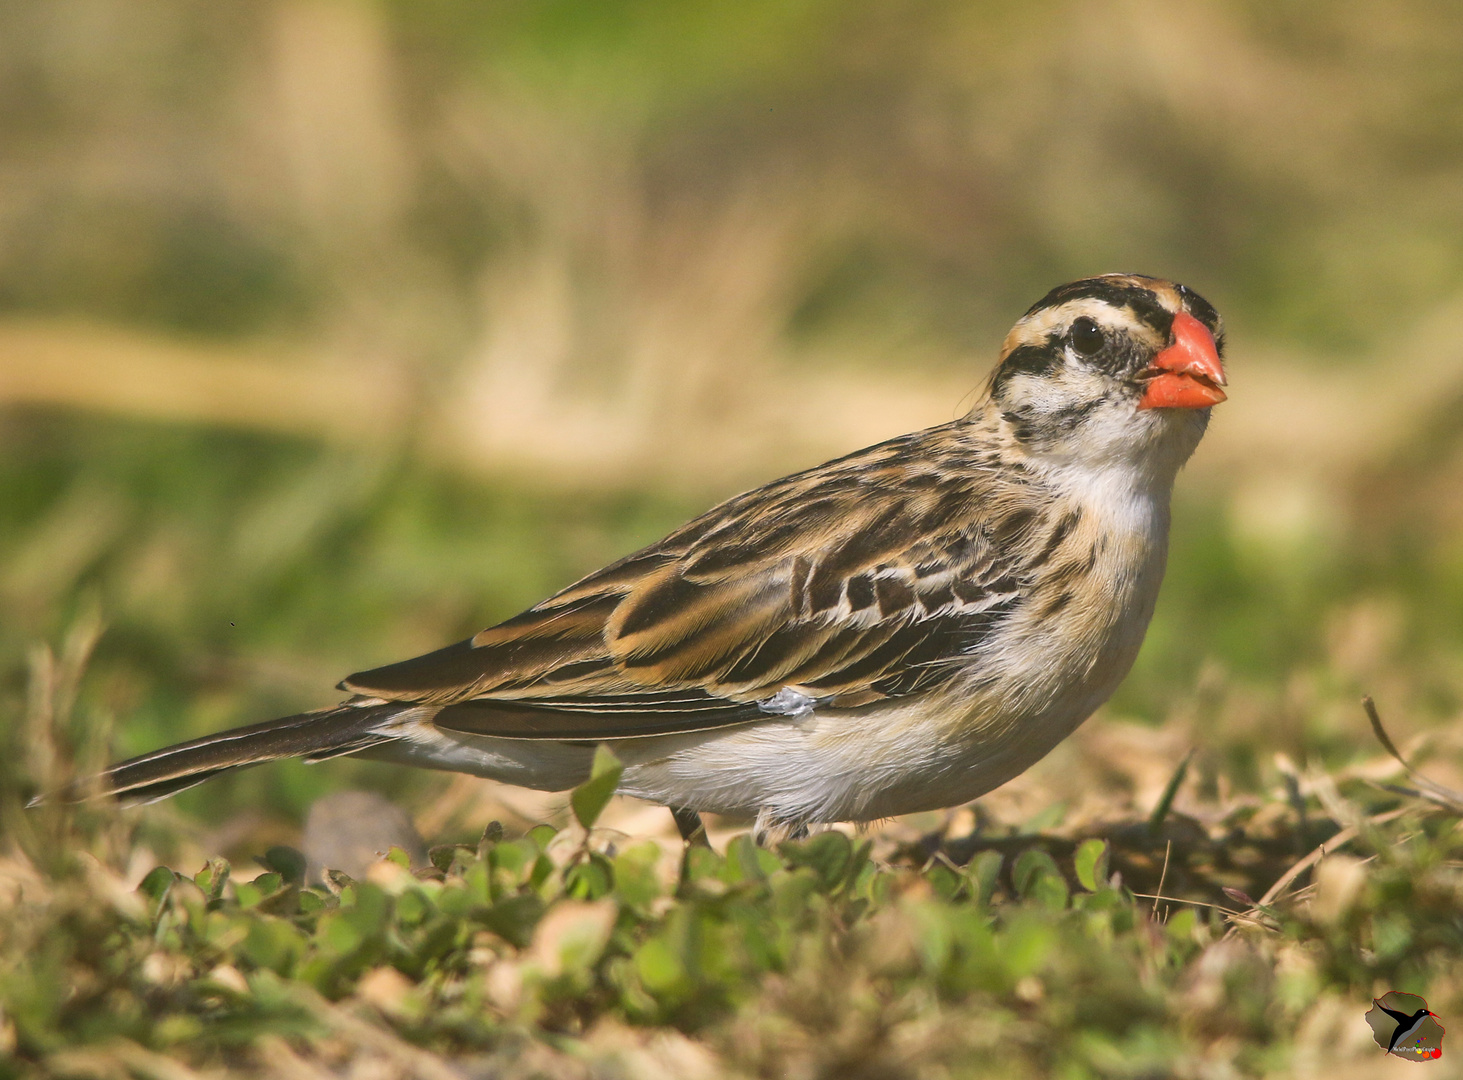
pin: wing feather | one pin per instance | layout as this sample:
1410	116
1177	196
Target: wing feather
873	576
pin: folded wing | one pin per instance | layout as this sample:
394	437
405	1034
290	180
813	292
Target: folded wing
845	586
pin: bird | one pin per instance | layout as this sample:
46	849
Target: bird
1408	1025
900	629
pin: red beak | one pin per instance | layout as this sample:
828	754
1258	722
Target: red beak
1187	374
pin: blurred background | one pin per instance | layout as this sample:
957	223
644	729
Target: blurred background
334	330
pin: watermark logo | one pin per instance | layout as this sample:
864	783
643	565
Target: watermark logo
1403	1025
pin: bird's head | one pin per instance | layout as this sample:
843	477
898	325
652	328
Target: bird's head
1117	368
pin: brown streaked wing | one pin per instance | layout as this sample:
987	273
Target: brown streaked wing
827	581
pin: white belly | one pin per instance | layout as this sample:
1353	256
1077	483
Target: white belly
872	763
831	766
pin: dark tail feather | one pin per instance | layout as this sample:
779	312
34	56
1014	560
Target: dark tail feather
314	736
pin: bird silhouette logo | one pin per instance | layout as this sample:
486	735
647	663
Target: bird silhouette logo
1403	1025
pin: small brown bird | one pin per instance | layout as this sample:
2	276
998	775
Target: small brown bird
900	629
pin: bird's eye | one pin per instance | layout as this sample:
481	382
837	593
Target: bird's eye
1087	336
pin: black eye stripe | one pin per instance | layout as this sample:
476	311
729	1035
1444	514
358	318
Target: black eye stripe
1039	360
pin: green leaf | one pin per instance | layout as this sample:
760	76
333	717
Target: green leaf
985	870
1050	891
1047	818
742	863
513	858
444	855
475	883
700	864
412	907
246	894
792	892
369	907
1031	864
514	918
945	881
934	938
636	882
1091	864
591	797
541	877
1025	946
1165	801
172	1030
288	863
212	878
828	854
338	934
274	944
1182	924
590	879
156	884
658	966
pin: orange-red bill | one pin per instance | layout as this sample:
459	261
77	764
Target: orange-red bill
1187	374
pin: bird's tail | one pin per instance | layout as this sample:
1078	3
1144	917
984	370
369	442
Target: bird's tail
314	736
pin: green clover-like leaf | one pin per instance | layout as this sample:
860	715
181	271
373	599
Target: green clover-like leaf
1091	864
591	797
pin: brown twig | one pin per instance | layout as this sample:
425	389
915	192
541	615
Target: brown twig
1163	875
1155	897
1345	836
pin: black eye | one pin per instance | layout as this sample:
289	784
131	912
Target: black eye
1087	336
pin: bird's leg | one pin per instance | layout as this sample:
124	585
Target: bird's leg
692	828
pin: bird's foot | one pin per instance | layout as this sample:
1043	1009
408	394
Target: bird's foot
769	830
